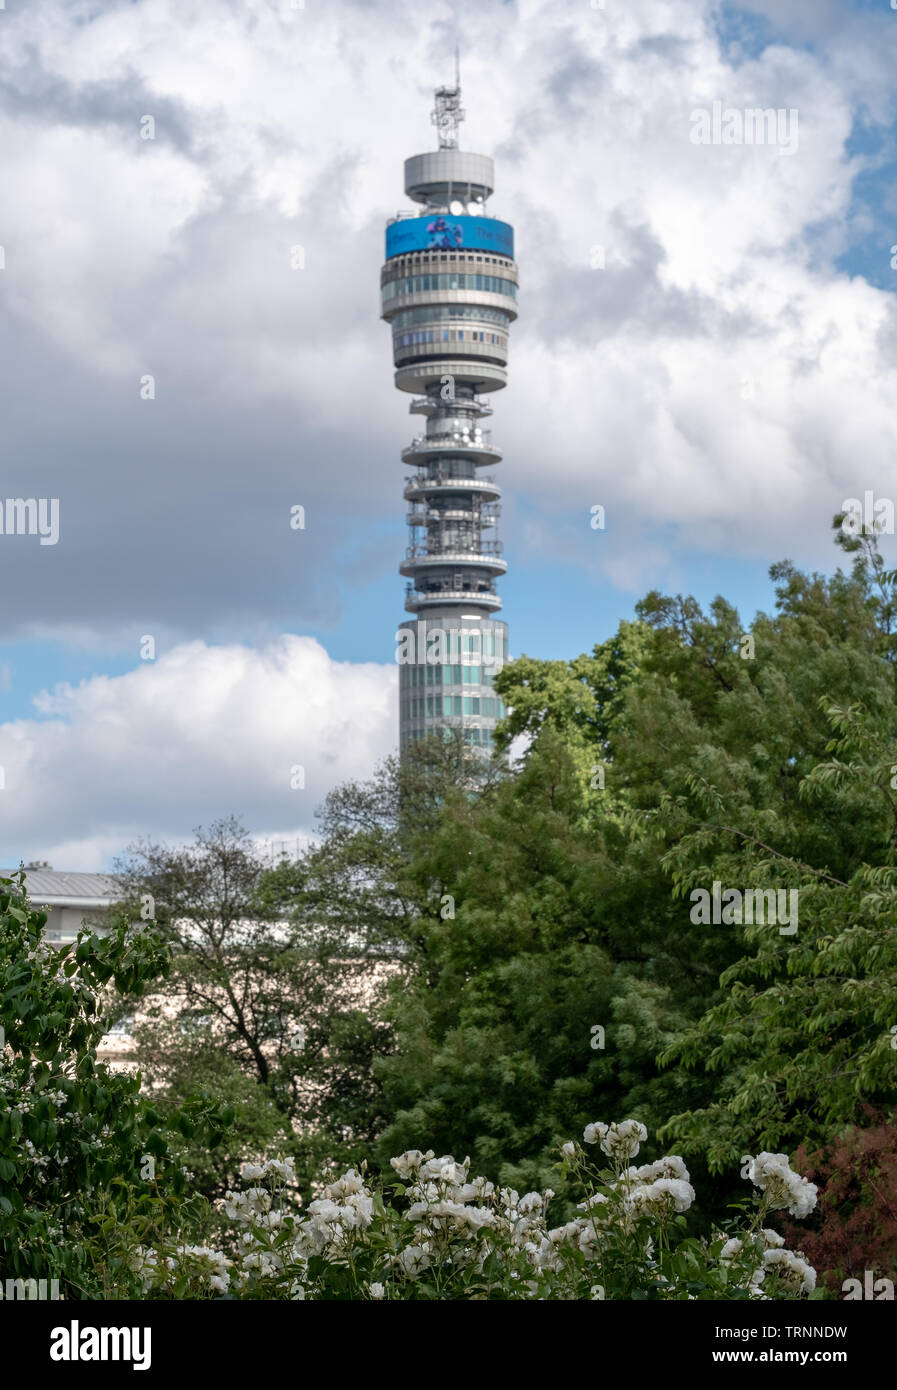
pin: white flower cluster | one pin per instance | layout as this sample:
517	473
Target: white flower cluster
671	1166
344	1208
661	1197
618	1141
782	1187
212	1265
252	1206
219	1278
39	1160
450	1223
791	1267
407	1164
147	1266
446	1203
770	1240
284	1170
656	1189
333	1218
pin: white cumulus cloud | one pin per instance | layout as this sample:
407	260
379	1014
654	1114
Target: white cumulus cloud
198	733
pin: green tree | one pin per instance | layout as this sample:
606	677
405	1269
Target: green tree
525	949
266	1008
79	1149
570	889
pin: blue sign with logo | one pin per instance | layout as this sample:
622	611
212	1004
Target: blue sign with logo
441	233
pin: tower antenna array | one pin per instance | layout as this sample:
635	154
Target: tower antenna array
447	113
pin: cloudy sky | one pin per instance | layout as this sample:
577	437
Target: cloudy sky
720	386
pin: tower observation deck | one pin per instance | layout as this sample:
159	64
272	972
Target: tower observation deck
449	293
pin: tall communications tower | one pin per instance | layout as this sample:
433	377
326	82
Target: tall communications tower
449	292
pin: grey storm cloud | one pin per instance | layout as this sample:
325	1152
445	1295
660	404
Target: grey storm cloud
33	94
175	510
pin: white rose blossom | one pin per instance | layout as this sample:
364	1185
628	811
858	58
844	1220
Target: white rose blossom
408	1163
792	1269
663	1195
782	1187
618	1141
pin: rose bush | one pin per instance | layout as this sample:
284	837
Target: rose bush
435	1232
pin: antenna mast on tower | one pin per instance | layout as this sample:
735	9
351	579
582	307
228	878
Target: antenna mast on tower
448	114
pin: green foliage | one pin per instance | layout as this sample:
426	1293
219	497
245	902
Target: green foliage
268	1002
495	1053
802	1039
761	765
77	1143
483	955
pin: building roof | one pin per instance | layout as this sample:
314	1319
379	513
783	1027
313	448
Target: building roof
59	889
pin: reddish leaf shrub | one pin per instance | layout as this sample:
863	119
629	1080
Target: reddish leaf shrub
855	1224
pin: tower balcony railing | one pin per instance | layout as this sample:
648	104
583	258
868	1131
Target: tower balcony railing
463	562
430	517
455	552
440	479
416	599
429	405
425	511
444	437
438	444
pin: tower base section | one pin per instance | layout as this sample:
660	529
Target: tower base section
448	662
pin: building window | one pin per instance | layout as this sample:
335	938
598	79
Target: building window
406	318
418	284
